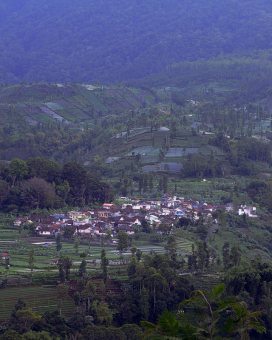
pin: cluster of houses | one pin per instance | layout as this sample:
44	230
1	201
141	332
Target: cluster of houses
91	223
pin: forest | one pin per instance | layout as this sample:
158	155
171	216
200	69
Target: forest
112	41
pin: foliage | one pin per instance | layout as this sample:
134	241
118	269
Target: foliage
122	238
201	320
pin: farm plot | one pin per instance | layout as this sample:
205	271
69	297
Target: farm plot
205	150
82	101
151	248
51	113
79	114
172	166
92	98
126	105
151	157
165	167
65	104
143	150
30	120
54	106
38	298
131	98
7	246
138	132
175	152
66	115
217	151
183	245
190	151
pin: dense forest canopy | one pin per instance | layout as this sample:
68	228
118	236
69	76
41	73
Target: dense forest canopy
117	40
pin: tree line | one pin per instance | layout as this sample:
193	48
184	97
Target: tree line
42	183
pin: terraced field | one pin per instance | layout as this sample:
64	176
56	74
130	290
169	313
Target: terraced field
151	248
184	246
39	299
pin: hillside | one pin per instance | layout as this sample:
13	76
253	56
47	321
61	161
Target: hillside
116	40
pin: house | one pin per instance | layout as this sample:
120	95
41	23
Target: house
20	221
4	256
76	216
44	231
103	213
249	211
125	228
108	205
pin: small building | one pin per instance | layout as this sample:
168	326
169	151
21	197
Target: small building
108	205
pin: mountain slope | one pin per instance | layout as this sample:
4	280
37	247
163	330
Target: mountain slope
116	40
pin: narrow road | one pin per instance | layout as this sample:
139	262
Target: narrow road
210	231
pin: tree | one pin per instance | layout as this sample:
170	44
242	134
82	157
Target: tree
226	255
104	314
58	242
88	293
145	226
37	193
32	335
108	236
68	233
104	264
202	255
235	255
68	263
82	267
201	318
131	269
144	304
243	320
171	248
31	260
44	168
77	299
76	175
122	238
26	318
76	245
62	293
165	183
11	335
4	190
132	332
18	169
62	190
155	280
61	269
139	254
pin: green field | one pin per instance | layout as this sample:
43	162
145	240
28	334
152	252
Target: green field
40	299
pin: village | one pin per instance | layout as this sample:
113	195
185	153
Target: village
134	216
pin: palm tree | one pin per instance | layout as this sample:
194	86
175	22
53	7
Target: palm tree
198	319
243	320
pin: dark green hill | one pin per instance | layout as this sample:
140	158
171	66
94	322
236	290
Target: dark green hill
116	40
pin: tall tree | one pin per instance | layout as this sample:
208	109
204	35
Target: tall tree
226	255
122	238
76	245
104	264
58	242
62	293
